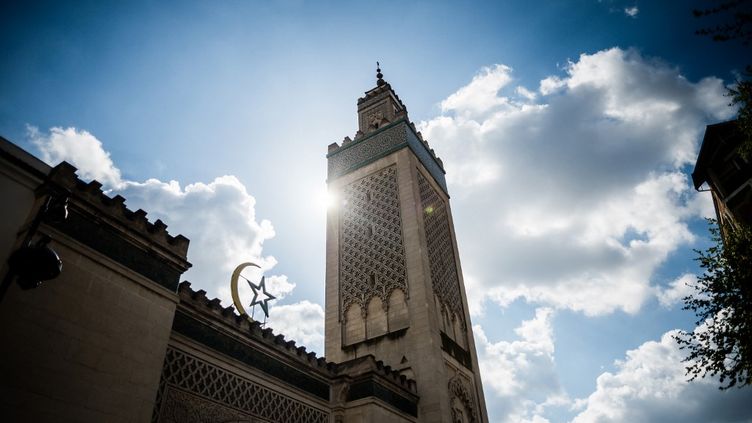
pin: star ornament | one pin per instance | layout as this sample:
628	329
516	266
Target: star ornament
260	295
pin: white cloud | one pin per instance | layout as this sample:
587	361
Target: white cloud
579	196
279	286
79	148
649	385
681	287
481	93
302	321
519	376
550	85
632	11
525	93
218	217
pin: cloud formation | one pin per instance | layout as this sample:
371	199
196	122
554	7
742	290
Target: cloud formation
649	385
631	11
520	377
303	321
218	217
79	148
577	193
683	286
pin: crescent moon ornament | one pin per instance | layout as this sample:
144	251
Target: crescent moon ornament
234	286
260	295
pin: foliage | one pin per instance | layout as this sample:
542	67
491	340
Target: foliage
734	22
742	95
722	343
738	28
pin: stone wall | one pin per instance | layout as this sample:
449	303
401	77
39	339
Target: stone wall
88	345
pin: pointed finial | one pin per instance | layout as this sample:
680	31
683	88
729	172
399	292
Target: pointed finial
379	76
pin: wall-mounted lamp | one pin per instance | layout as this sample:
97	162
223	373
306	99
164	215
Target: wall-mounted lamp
34	263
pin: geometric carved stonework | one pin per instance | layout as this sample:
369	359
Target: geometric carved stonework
182	407
361	151
372	255
446	284
463	400
192	390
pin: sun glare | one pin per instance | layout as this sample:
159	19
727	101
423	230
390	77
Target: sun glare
325	199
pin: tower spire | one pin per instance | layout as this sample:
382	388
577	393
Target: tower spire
379	77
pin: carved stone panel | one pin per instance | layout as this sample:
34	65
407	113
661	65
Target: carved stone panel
464	408
181	407
193	390
446	284
372	254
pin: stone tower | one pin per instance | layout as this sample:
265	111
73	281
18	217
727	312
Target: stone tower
394	286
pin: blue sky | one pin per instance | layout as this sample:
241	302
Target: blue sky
567	129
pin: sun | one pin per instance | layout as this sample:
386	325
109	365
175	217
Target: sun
325	199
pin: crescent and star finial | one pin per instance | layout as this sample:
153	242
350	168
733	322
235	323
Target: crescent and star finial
260	295
265	296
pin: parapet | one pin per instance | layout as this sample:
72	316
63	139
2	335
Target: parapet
199	303
91	195
101	223
206	321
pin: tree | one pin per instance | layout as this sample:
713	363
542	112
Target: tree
733	21
722	344
742	95
739	27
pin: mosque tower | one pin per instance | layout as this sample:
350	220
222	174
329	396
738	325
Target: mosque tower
394	286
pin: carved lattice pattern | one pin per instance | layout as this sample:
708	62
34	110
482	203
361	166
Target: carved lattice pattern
182	407
460	388
221	388
440	247
372	255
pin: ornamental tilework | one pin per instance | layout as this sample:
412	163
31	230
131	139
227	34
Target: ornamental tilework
194	390
363	151
372	255
446	284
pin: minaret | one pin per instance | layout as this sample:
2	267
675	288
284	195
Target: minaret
394	286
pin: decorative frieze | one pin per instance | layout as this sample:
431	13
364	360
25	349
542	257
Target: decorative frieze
380	143
181	407
363	151
192	389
